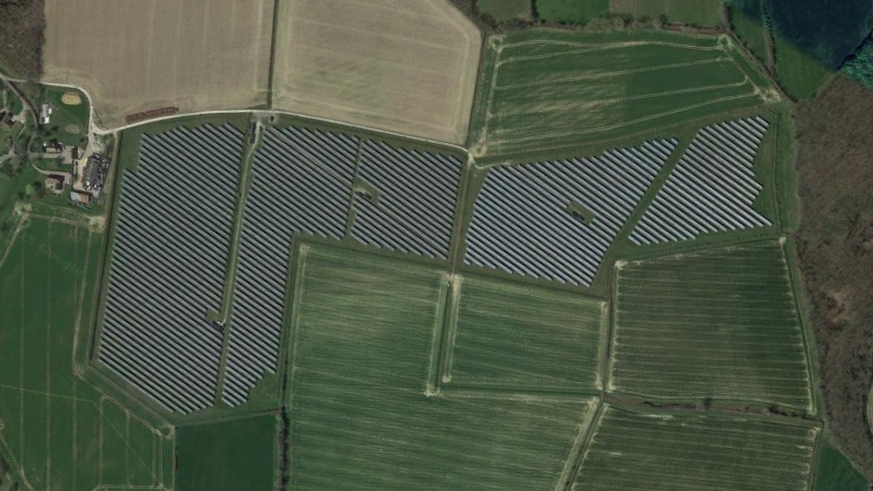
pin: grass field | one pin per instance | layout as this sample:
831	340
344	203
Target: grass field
662	452
834	473
362	413
748	24
399	65
229	455
705	13
137	55
69	123
58	430
720	324
549	89
503	10
517	336
572	11
799	73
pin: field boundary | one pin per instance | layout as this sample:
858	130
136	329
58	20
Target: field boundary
582	444
811	350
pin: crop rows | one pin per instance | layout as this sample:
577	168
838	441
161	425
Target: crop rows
168	265
635	452
525	222
301	183
415	207
718	324
547	89
712	188
524	336
359	415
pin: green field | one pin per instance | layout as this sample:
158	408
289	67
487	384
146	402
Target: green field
834	473
512	335
58	430
229	455
504	10
704	13
363	412
572	11
662	452
545	89
799	73
69	124
749	26
720	324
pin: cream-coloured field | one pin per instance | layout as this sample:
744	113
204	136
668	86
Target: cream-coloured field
138	55
408	66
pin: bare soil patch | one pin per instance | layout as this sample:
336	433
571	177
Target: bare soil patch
71	99
398	65
133	56
836	257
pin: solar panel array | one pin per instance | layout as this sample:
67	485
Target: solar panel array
168	265
521	222
301	183
712	188
174	237
417	194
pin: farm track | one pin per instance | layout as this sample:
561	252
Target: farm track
224	315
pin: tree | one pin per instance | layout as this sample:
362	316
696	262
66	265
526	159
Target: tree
859	65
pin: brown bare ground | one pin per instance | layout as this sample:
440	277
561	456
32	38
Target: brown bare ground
407	66
137	55
71	99
835	245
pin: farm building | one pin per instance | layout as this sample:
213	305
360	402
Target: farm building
53	146
45	114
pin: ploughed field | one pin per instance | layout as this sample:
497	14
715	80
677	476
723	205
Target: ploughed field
398	65
401	66
134	56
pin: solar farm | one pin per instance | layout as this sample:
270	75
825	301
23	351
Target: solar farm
597	292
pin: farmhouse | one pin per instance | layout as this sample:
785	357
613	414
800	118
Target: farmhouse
53	146
54	184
